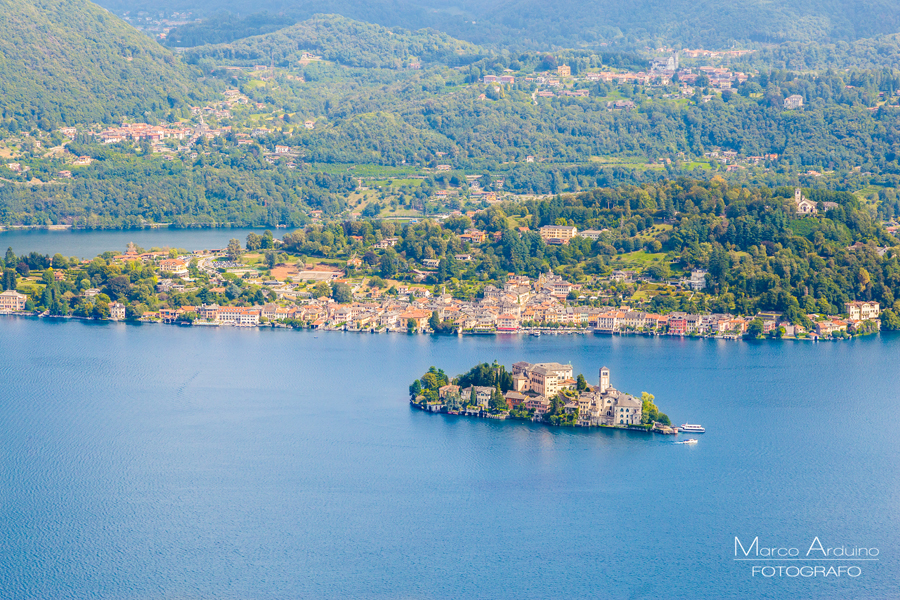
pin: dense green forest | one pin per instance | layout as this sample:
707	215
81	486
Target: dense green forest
121	191
225	27
348	42
878	52
70	61
570	23
373	117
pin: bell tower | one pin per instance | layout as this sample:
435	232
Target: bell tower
604	379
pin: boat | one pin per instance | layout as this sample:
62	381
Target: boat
688	428
689	441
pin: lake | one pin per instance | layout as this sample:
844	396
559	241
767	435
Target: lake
152	461
90	243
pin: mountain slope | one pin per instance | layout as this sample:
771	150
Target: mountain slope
70	61
342	40
535	23
694	22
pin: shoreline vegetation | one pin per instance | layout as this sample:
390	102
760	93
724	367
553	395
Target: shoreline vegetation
541	393
386	284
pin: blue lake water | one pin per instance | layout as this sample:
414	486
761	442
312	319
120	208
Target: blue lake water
88	244
167	462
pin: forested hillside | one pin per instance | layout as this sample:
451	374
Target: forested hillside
351	43
371	117
576	23
761	255
878	52
70	61
120	192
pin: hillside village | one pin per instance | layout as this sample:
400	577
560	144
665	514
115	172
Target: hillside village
323	296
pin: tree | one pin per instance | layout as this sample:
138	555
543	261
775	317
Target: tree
234	249
660	272
271	259
755	329
890	320
582	383
101	309
47	297
341	293
321	290
650	413
253	242
9	279
415	389
498	402
118	287
388	266
434	379
10	258
434	321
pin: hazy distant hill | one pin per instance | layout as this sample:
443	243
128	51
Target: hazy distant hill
70	61
588	22
345	41
696	22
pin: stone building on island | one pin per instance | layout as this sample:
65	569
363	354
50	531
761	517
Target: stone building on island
534	385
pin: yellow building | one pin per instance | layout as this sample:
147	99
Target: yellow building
559	234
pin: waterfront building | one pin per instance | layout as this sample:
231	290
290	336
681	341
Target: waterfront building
482	395
11	300
863	311
116	311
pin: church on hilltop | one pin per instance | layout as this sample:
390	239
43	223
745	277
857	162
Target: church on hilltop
806	207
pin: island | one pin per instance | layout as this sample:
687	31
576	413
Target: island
540	392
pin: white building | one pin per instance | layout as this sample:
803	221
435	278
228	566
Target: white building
11	300
591	234
863	311
804	205
698	279
792	102
116	311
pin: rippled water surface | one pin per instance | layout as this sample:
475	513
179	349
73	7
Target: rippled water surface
88	244
167	462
